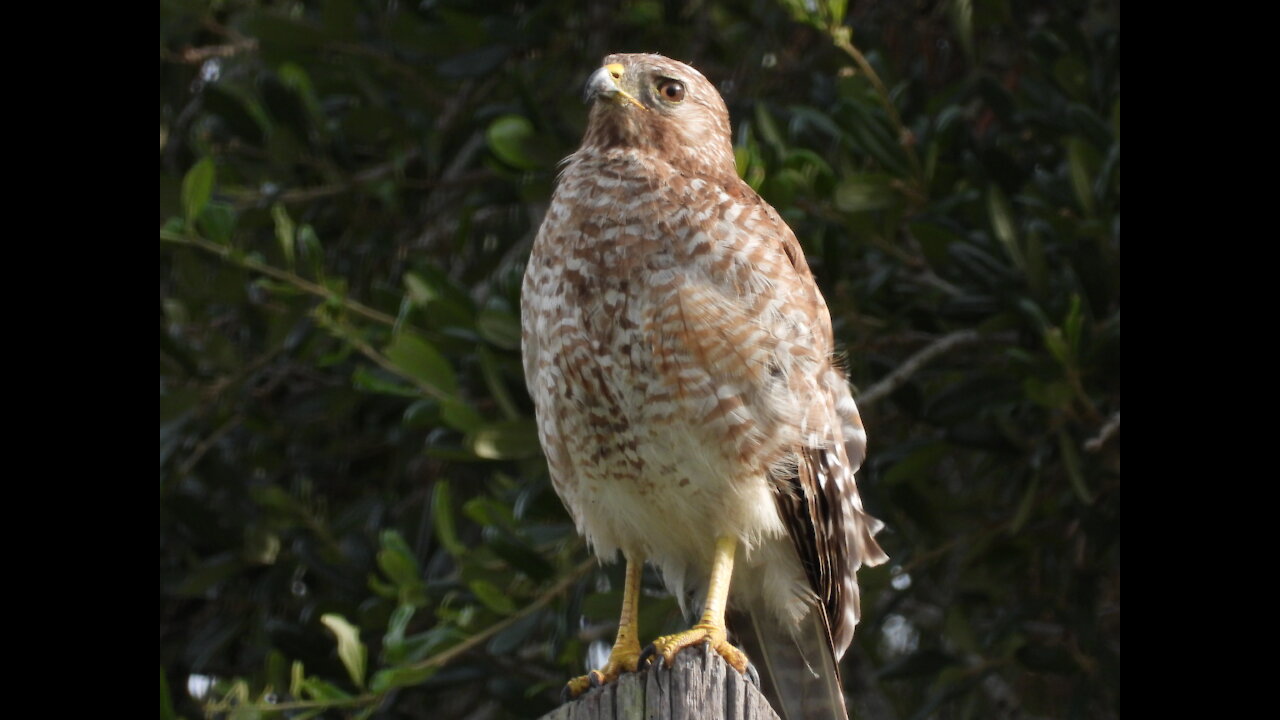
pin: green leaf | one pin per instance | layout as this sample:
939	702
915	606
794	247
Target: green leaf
396	626
1002	224
295	77
769	129
261	546
1055	394
277	673
1033	311
217	222
1037	267
1074	325
865	192
422	645
459	415
1080	160
423	414
312	251
784	185
523	558
351	651
1026	505
742	159
755	176
804	114
166	703
962	18
934	239
214	570
518	635
1072	76
369	380
446	304
442	512
870	132
497	386
493	598
1071	459
243	118
397	561
383	589
313	688
172	228
285	232
1057	346
486	511
500	327
510	138
419	291
296	678
418	359
400	677
197	188
512	440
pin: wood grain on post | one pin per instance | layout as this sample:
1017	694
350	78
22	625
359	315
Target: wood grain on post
701	686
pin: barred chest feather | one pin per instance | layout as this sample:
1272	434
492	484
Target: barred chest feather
635	326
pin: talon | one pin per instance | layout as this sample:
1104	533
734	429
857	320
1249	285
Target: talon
650	657
713	635
753	675
626	648
575	687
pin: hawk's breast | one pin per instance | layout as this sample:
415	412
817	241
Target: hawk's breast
630	342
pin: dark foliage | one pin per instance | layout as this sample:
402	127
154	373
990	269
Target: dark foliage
355	518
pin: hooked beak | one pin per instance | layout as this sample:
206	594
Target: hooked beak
603	83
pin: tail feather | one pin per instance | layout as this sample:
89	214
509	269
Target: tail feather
798	673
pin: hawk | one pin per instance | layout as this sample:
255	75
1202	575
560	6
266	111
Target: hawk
693	416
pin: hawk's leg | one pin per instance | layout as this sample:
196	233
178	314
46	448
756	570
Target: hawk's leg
710	629
625	655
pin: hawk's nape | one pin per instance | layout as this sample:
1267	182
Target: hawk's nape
680	358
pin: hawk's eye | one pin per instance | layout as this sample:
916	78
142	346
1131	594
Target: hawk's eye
671	90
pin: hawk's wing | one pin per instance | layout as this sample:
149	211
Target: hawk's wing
759	336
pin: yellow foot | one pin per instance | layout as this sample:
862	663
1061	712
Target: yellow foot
667	646
620	661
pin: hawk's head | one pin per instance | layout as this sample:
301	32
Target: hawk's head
654	104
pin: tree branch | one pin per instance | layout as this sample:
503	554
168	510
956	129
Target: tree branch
895	379
320	291
483	636
1094	444
842	37
197	55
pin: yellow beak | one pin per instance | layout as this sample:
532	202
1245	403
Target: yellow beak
604	83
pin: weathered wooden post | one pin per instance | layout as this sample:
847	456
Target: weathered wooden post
701	686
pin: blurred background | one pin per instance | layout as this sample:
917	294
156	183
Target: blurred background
355	517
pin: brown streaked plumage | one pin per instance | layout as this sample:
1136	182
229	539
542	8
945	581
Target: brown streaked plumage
680	358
